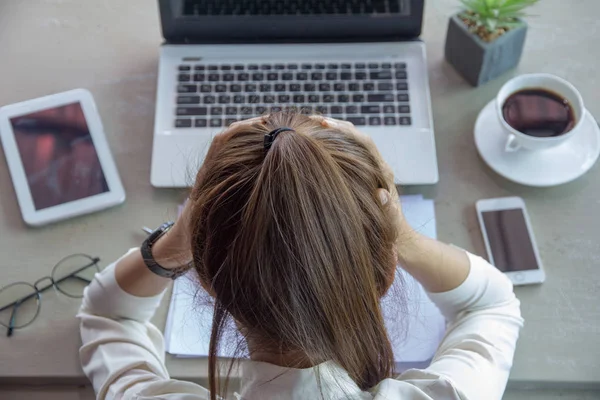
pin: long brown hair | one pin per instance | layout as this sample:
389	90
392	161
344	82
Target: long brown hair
293	244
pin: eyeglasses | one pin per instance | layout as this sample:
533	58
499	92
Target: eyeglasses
20	301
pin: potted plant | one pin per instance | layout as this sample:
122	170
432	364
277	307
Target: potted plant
486	38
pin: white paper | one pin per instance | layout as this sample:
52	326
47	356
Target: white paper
415	330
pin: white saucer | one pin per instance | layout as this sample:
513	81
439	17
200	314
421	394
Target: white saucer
550	167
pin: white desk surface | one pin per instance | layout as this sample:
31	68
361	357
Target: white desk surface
111	48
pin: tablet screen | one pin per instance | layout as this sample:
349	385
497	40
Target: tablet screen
58	156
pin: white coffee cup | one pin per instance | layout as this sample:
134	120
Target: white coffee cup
517	140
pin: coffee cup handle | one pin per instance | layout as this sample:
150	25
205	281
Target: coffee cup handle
511	144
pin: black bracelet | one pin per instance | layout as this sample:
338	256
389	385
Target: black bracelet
152	265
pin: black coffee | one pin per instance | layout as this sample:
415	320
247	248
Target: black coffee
539	113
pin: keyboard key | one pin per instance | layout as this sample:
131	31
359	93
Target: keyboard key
266	87
306	109
306	66
260	110
319	66
183	123
380	75
368	86
225	67
252	67
373	65
402	96
216	122
360	75
358	98
400	65
385	86
199	67
238	67
280	87
331	76
200	122
209	99
184	77
346	66
295	87
229	121
287	76
243	77
386	65
354	87
228	77
246	111
389	109
301	76
402	86
371	109
205	88
214	77
404	109
220	88
346	76
292	66
299	98
272	76
360	65
213	67
343	98
187	88
380	97
253	99
316	76
321	109
389	121
276	109
239	99
231	110
337	109
185	68
405	121
279	66
374	121
283	98
333	66
268	98
191	111
328	98
324	87
188	99
313	98
358	121
258	76
400	74
339	87
351	110
265	67
235	88
310	87
216	111
250	87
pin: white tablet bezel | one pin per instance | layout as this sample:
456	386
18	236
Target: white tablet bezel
31	216
525	277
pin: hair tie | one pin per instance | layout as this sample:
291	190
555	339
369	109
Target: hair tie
271	136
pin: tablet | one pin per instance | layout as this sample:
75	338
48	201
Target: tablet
58	157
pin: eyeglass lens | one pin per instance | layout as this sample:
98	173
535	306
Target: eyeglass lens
26	308
72	274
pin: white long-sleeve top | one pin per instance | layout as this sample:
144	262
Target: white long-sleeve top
123	353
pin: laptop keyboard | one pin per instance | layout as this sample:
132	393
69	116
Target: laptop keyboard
289	7
366	94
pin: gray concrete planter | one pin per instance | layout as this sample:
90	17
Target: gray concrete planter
478	61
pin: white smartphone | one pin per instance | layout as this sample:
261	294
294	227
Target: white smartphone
58	157
509	239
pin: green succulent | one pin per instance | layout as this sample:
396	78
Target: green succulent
492	14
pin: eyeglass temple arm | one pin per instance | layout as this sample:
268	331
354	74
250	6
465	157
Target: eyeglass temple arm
13	317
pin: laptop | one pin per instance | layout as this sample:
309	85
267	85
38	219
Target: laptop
228	60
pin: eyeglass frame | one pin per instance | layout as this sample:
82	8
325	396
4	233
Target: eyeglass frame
38	291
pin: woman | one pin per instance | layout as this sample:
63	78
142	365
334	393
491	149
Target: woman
294	228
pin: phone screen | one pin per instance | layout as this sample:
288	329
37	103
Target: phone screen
58	155
509	239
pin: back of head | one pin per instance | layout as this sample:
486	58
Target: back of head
293	244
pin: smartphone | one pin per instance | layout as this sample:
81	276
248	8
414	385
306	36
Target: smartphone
509	239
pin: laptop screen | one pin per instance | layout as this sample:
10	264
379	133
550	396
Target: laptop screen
266	20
